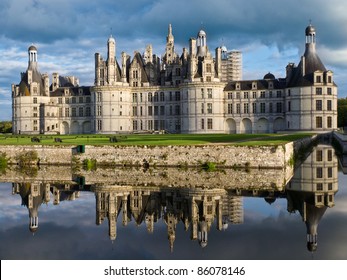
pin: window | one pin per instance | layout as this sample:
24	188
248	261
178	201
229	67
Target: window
162	96
202	124
330	172
245	108
99	125
329	122
254	94
238	108
177	109
319	91
262	94
134	125
318	79
237	95
329	105
270	108
99	97
209	108
150	110
279	93
88	112
319	123
230	108
99	110
73	112
80	111
319	105
319	172
156	97
156	110
208	68
329	91
67	112
209	93
35	100
245	95
230	95
202	108
134	97
150	97
254	108
60	100
330	155
209	124
319	155
278	107
134	111
80	99
177	96
319	186
289	106
162	110
262	108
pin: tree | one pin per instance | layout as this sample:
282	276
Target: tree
5	127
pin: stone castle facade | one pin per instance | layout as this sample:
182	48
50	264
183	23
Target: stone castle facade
194	92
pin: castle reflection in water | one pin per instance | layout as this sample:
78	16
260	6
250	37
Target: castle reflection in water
309	190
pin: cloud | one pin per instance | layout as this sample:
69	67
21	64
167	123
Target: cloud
270	33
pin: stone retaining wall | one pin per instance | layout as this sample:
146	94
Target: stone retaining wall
183	156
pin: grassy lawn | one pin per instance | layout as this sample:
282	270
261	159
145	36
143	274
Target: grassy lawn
156	139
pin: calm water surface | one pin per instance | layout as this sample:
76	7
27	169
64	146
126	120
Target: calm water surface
307	219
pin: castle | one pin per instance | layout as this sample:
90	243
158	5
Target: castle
189	93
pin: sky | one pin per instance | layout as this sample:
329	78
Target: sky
67	33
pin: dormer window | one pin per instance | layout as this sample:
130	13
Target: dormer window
254	85
238	86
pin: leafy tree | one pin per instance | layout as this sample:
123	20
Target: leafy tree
5	127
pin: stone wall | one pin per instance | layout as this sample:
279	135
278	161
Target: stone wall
260	179
183	156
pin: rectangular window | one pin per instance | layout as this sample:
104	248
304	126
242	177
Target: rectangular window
330	155
270	108
99	110
150	97
80	99
278	107
67	112
80	111
134	97
329	122
262	108
262	94
245	95
330	172
150	110
209	108
289	106
238	108
319	172
319	123
35	100
99	125
202	124
73	112
202	108
230	95
254	94
245	108
279	93
209	124
254	108
208	68
329	105
319	186
88	112
319	105
209	93
319	91
177	110
230	108
329	91
134	125
156	111
162	110
162	96
319	155
177	96
134	111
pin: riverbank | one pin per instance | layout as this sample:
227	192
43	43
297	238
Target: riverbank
216	155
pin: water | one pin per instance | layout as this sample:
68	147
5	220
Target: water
251	214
